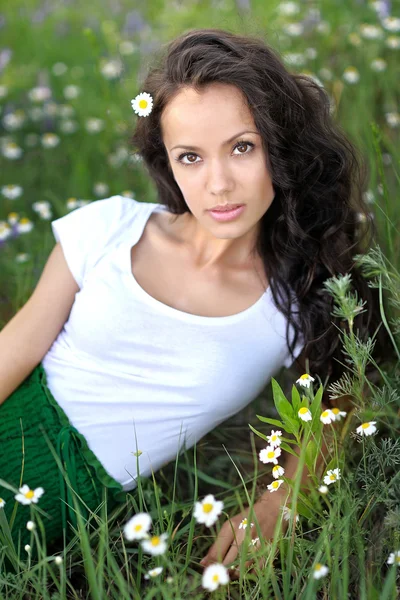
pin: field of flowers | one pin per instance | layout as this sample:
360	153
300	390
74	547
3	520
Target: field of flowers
68	73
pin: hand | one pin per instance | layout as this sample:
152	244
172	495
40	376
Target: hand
226	548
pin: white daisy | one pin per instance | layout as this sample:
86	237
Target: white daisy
323	489
367	428
137	527
208	510
394	558
275	485
287	513
142	104
214	576
2	503
243	524
30	525
254	541
305	380
304	414
320	571
338	414
58	560
270	454
332	476
24	225
351	75
277	471
153	572
11	191
275	438
27	496
327	416
155	544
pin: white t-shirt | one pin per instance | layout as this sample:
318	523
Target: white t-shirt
127	367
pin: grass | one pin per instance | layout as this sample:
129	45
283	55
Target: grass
353	529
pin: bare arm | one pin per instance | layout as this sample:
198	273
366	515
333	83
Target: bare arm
27	337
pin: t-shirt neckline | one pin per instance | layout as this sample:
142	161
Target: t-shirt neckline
169	310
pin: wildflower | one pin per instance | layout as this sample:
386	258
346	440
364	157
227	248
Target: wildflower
27	496
254	541
378	64
288	8
208	510
275	485
393	42
305	380
392	119
294	29
277	471
94	125
391	23
270	454
137	527
351	75
332	476
5	230
142	104
71	91
58	560
27	548
304	414
11	191
327	417
214	576
287	513
320	571
50	140
275	438
243	524
25	225
156	544
153	572
22	257
59	68
39	94
11	150
111	69
394	558
2	503
367	428
323	489
100	188
30	525
338	414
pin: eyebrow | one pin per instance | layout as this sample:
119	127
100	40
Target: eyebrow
225	143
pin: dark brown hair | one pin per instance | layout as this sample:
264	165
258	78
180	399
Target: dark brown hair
318	219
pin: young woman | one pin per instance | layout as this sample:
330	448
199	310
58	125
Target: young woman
152	323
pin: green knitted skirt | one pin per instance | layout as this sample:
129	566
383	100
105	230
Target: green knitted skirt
39	448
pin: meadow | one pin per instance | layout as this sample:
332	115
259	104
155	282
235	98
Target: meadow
68	72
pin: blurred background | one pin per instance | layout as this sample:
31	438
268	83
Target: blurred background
68	72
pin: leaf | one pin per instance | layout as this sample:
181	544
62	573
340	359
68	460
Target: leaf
282	405
296	401
287	448
312	451
273	422
261	435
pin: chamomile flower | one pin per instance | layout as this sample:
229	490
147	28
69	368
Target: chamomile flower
394	558
367	428
305	380
327	416
27	496
305	414
275	438
142	104
214	576
11	191
58	560
208	510
332	476
243	524
153	572
320	571
277	471
2	503
270	454
338	414
155	544
30	525
137	527
275	485
323	489
254	541
27	548
287	513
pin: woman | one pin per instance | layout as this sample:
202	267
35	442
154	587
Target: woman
153	323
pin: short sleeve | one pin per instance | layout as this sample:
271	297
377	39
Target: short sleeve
86	233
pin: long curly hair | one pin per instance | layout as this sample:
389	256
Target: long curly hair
318	219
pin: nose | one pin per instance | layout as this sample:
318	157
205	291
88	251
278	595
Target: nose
219	178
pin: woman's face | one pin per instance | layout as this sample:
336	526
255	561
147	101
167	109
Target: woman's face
201	132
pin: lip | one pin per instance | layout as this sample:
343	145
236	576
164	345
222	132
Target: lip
226	207
227	215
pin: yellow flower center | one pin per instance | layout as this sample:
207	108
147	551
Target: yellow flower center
273	438
12	215
275	484
12	145
303	410
207	507
29	494
365	425
215	578
143	103
325	413
398	559
332	477
244	521
270	454
155	541
1	500
70	199
138	527
24	220
335	411
318	566
305	376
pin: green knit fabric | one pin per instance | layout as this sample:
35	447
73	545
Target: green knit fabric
40	448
